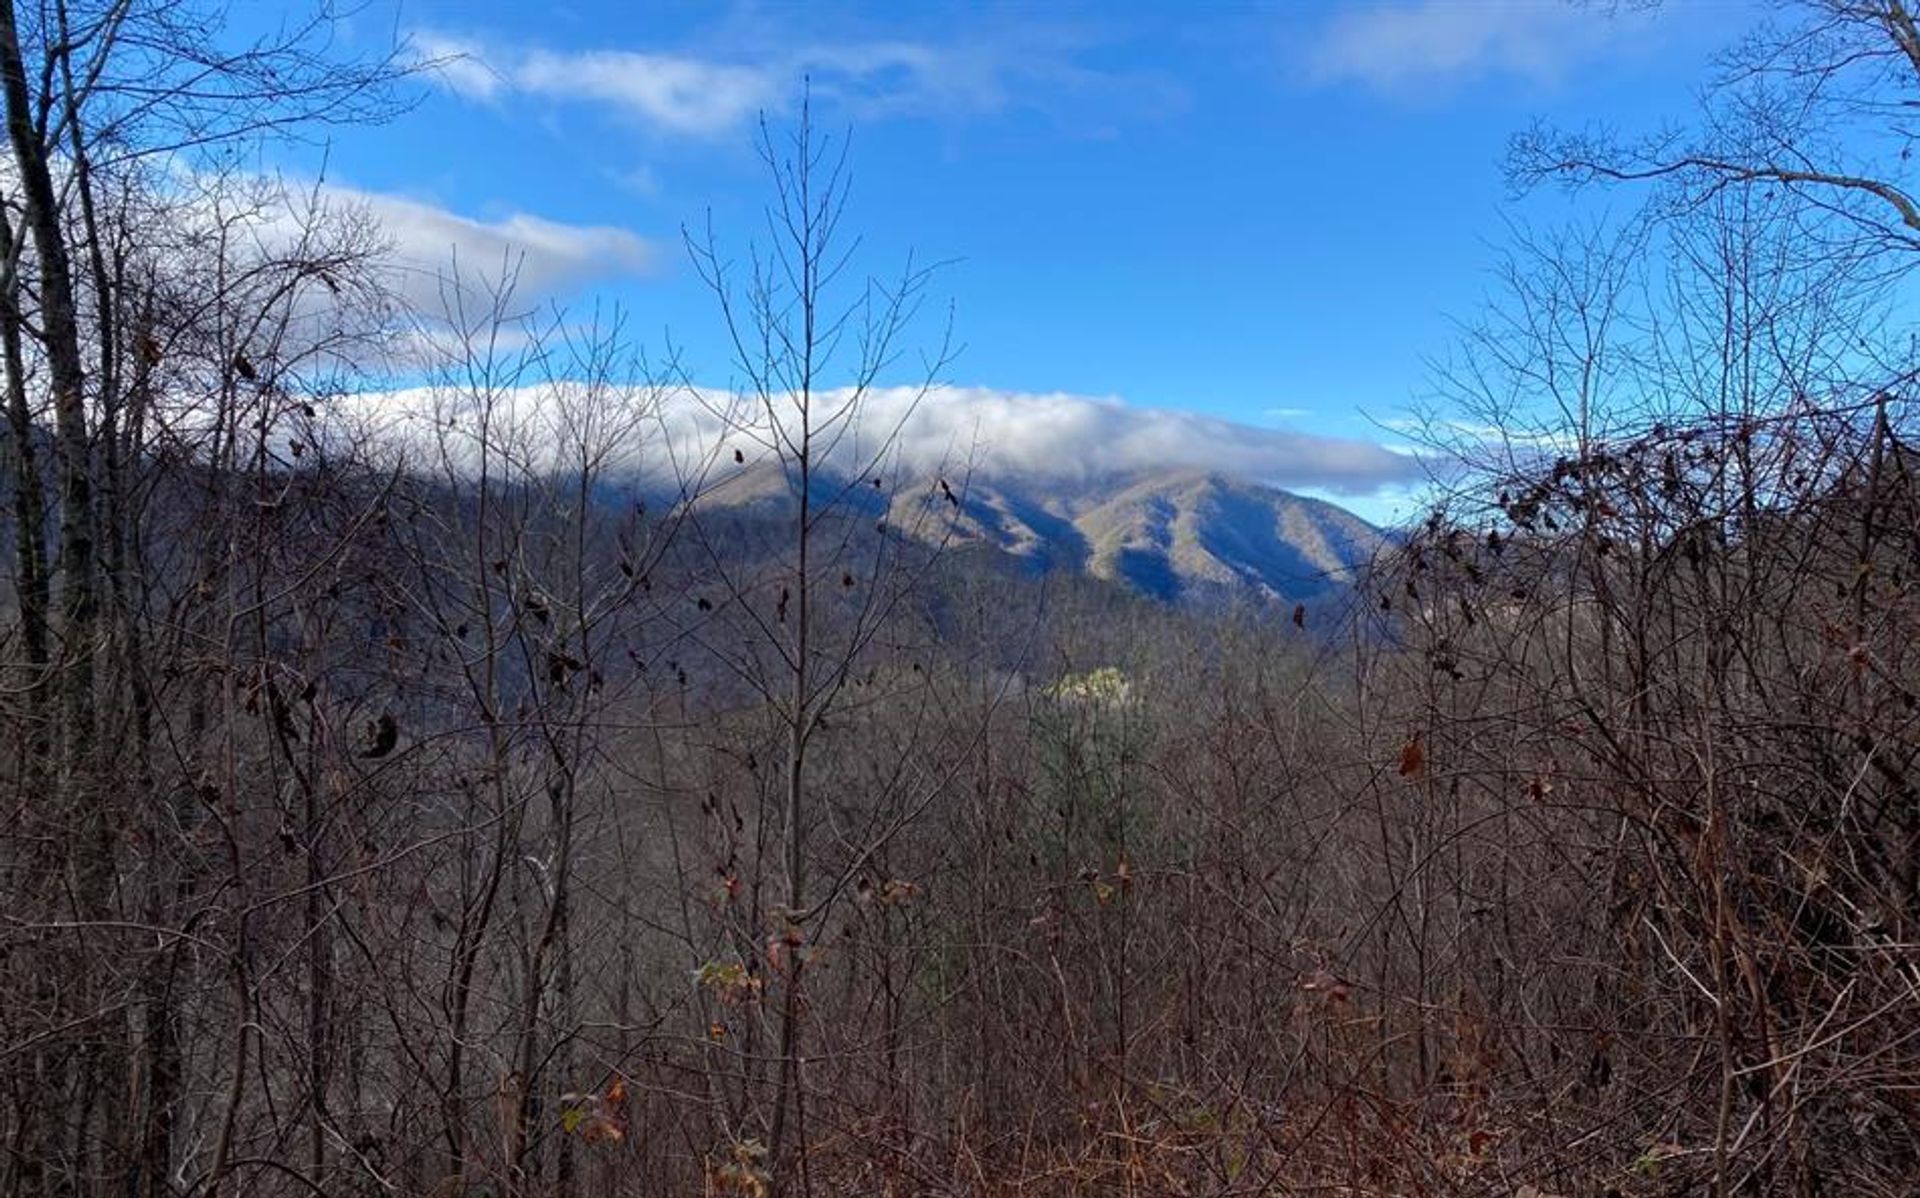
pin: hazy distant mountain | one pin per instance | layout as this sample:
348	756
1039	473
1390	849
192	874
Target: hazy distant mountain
1180	536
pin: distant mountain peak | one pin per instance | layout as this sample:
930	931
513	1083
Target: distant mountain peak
1181	535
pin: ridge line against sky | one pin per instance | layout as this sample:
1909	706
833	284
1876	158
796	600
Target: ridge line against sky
1267	216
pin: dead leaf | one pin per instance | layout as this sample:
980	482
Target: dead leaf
1413	758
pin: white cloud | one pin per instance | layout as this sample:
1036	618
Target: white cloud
679	95
673	93
1075	436
1415	43
545	257
339	264
1057	437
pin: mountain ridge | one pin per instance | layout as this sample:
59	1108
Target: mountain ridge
1180	535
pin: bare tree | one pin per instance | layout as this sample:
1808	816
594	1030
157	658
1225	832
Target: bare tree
811	340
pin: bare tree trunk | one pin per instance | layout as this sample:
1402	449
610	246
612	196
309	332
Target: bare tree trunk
788	1088
75	565
29	516
88	866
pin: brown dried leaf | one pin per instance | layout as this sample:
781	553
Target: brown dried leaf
1413	758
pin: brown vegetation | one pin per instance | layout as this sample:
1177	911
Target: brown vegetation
470	814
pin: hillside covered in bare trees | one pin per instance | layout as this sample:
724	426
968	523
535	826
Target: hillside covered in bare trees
451	748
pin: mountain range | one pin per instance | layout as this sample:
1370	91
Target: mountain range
1186	537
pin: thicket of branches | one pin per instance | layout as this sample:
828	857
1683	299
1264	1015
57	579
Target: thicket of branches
492	787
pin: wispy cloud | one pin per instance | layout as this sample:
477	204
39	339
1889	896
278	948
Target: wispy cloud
459	64
678	95
1413	44
673	93
713	94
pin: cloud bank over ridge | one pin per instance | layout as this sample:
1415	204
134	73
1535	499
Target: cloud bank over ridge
1055	437
1072	437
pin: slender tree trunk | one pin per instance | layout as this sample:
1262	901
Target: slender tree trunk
29	521
791	1086
88	859
75	566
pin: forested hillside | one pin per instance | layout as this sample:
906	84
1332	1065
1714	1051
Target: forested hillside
448	752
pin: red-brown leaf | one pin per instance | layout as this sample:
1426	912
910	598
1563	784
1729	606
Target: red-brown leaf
1413	758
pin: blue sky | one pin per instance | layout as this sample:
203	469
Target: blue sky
1266	215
